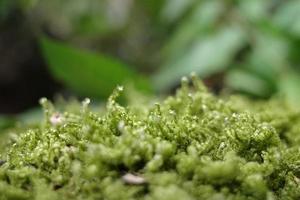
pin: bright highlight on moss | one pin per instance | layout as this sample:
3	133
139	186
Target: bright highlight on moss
191	146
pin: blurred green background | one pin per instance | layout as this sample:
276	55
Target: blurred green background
87	48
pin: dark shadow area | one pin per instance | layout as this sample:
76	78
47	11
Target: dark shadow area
23	74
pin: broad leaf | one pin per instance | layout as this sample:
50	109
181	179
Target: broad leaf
196	25
6	122
207	56
269	56
88	73
244	81
289	87
174	9
288	16
254	10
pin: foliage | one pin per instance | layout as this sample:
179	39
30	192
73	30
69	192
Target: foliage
264	42
256	39
87	73
190	146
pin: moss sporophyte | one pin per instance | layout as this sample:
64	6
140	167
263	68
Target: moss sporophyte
192	145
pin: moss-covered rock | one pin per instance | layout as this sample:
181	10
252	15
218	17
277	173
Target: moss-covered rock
191	146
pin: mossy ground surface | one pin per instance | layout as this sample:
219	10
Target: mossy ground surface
190	146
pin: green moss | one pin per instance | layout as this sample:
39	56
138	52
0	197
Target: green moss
190	146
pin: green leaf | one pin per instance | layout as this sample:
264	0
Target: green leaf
174	9
288	16
88	73
206	57
289	88
269	55
244	81
254	10
152	6
203	18
32	116
6	122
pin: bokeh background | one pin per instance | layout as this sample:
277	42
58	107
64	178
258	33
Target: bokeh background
86	48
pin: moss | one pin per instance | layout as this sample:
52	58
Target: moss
190	146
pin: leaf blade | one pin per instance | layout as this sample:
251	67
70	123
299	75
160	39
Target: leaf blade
206	57
88	73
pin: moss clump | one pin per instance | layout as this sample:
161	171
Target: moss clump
191	146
